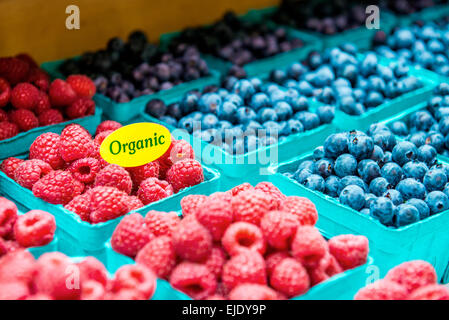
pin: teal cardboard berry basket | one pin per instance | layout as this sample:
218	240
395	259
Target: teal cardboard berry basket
427	239
20	143
125	111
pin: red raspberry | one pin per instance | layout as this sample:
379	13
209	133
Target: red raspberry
46	148
39	78
247	267
279	228
85	170
130	235
194	279
382	290
92	270
53	277
135	277
350	250
79	108
216	216
92	290
153	189
5	92
178	150
24	96
216	261
138	174
81	206
215	297
158	255
57	187
413	275
134	203
14	291
114	176
28	59
251	291
8	130
125	294
107	125
242	187
250	206
271	190
99	138
43	103
273	259
185	173
301	207
3	116
326	268
8	217
39	296
221	196
82	85
18	265
161	223
10	165
35	228
191	203
241	237
309	246
50	116
61	93
24	119
13	69
107	203
192	241
95	153
290	278
12	245
30	171
75	143
430	292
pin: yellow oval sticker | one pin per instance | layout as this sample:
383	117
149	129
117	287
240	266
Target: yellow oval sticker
136	144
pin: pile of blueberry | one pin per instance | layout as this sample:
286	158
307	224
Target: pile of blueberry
338	77
392	181
243	114
424	45
429	126
127	70
237	41
405	7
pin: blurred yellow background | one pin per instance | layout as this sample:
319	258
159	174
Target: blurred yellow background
38	26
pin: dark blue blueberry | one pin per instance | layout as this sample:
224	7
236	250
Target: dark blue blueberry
353	196
384	139
388	157
332	186
373	99
227	111
436	140
267	114
156	108
326	95
392	172
446	189
302	175
283	110
353	180
174	110
422	207
299	104
318	153
395	196
365	211
187	123
209	103
296	70
399	128
437	202
345	165
307	164
253	127
170	120
315	182
256	82
277	76
272	128
443	125
323	167
442	89
368	170
234	98
293	126
360	146
260	100
417	138
411	188
335	145
378	154
245	115
305	88
415	169
382	209
404	152
244	88
326	113
348	105
405	214
421	120
369	198
435	179
377	127
368	65
427	154
209	121
308	119
379	186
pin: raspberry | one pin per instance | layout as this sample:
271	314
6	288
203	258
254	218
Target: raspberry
79	108
241	237
309	246
39	296
82	85
50	116
153	189
138	174
81	206
75	143
135	277
279	228
8	130
43	103
35	228
215	297
350	250
221	196
185	173
247	267
99	138
92	290
18	265
24	96
92	269
250	206
178	150
191	240
61	93
8	217
161	223
430	292
271	190
30	171
301	207
243	187
13	69
290	278
5	92
125	294
216	261
46	148
107	125
12	245
57	187
274	259
3	116
382	290
216	216
194	279
39	78
191	203
413	274
13	291
10	165
52	276
24	119
326	268
134	203
28	59
251	291
114	176
85	170
158	255
130	235
107	203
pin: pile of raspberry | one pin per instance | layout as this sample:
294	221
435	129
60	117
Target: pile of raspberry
246	243
28	99
412	280
35	228
54	276
67	169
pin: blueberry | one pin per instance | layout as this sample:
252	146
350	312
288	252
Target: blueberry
335	145
405	214
345	165
308	119
170	120
227	111
187	123
245	115
267	114
294	126
277	76
360	146
403	152
365	211
323	167
296	70
388	157
378	154
427	154
384	139
368	65
417	138
272	128
368	170
378	186
209	121
235	99
437	202
318	153
415	169
353	196
436	140
395	196
399	128
260	100
305	88
421	206
302	174
332	186
244	88
307	164
442	166
421	120
382	209
209	103
410	188
156	108
369	198
353	180
392	172
283	110
435	179
315	182
326	113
